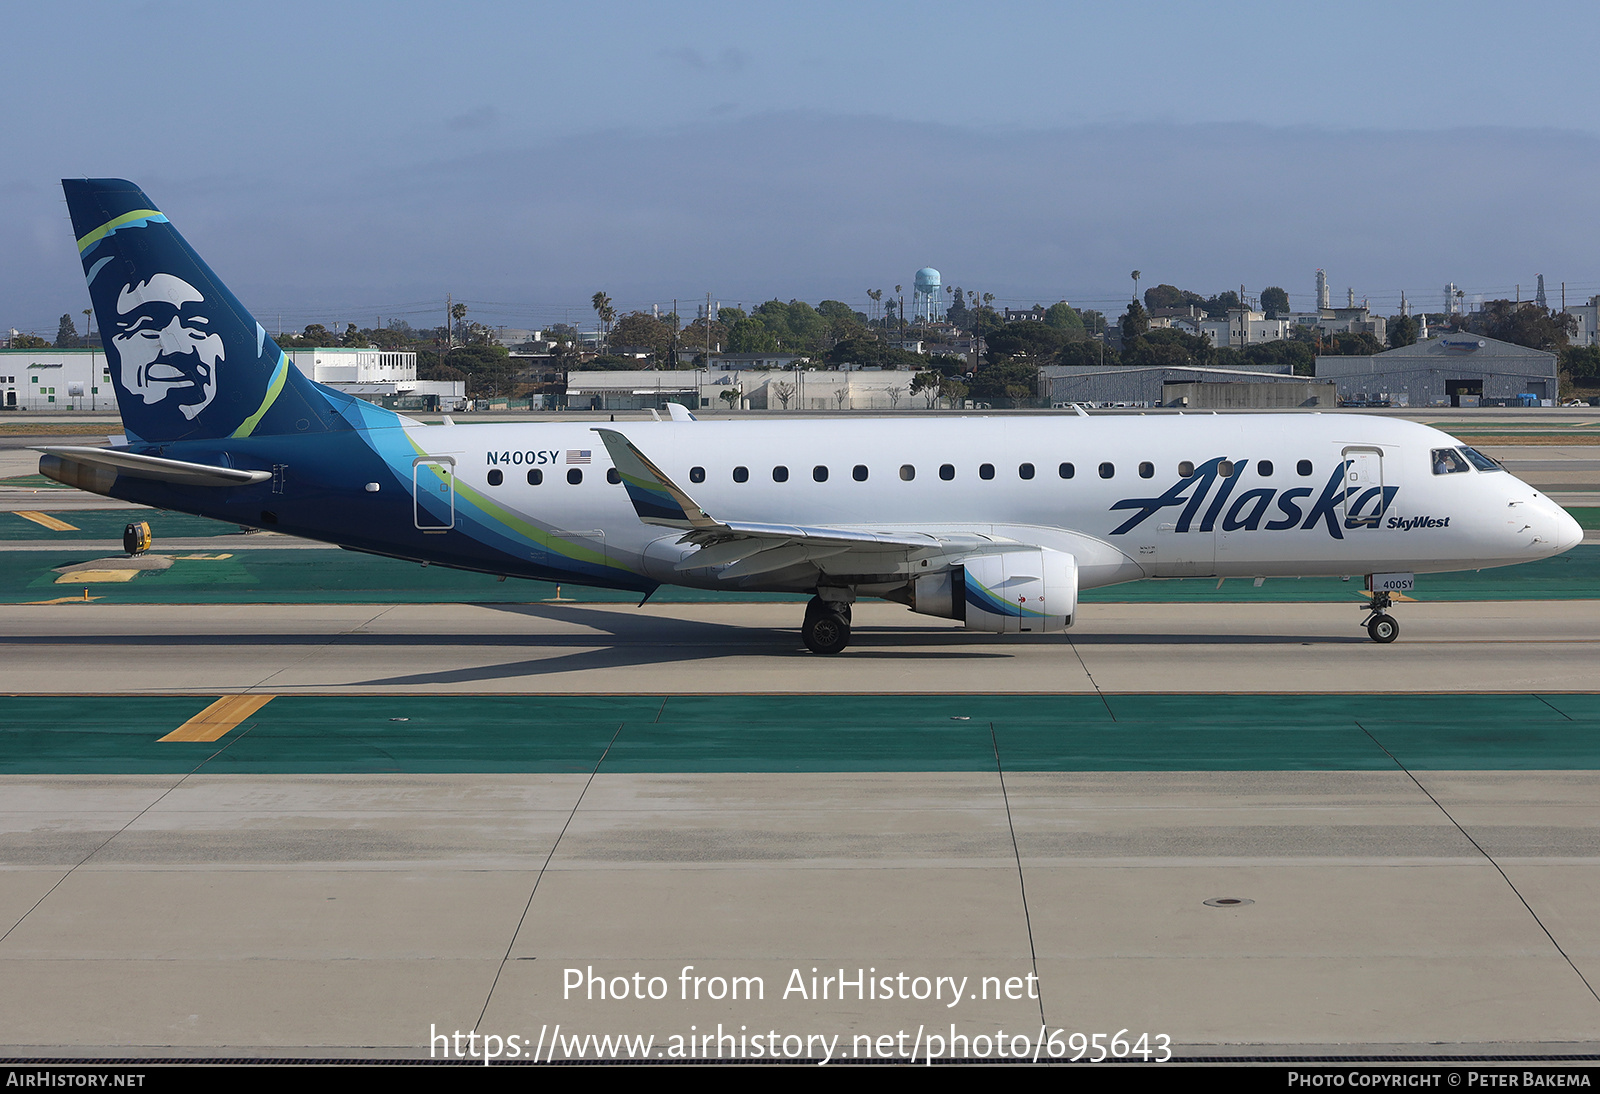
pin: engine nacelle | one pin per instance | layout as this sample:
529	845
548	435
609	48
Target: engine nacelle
1007	593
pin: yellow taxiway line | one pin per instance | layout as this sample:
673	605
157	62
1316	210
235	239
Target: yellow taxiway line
47	520
221	716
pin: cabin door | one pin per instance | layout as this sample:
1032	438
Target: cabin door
1364	498
433	492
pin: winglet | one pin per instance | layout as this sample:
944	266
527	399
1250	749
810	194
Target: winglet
656	498
680	413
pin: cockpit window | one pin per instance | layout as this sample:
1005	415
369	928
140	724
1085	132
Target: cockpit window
1480	461
1447	461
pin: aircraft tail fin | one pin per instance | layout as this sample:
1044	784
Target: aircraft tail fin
186	359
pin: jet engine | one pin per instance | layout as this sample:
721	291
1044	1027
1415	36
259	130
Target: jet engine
1007	593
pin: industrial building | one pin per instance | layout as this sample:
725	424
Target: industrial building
1454	369
80	379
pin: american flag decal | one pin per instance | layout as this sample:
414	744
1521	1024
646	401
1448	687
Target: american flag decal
578	455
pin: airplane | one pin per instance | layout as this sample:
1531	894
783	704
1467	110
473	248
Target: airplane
997	522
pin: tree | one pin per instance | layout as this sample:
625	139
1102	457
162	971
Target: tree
695	337
1025	340
1064	317
841	396
784	391
353	337
751	336
28	341
1134	321
1275	302
604	311
66	333
894	394
1524	324
1402	331
1087	353
1170	296
957	312
1008	380
731	397
1582	362
640	328
927	384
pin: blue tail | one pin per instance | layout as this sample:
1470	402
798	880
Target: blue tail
188	362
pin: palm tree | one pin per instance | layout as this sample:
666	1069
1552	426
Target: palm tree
458	312
603	309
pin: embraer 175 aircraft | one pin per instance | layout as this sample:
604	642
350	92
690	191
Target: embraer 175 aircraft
996	522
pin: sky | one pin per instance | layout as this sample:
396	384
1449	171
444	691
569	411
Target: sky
357	162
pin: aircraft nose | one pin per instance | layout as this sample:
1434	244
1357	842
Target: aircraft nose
1569	533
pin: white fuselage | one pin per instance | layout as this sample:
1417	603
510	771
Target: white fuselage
1129	496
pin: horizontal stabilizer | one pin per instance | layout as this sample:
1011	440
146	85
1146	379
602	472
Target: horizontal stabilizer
57	460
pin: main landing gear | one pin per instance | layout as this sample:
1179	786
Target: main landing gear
827	625
1381	627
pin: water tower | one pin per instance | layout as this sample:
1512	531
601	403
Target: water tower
925	302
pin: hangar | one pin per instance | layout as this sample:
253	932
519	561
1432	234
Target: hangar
1455	369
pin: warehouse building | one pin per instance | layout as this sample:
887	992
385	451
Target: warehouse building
1454	369
1155	385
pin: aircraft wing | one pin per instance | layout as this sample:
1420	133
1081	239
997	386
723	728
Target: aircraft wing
748	548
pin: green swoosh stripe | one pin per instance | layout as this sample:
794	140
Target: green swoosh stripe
141	217
279	375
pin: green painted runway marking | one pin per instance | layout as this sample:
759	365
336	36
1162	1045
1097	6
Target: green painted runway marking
341	577
777	733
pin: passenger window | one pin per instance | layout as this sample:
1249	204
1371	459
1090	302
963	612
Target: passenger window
780	473
535	477
1447	461
697	474
496	477
907	472
1303	468
1066	471
859	472
741	474
947	471
820	473
1025	471
1264	468
575	476
1106	470
986	471
1185	468
1225	469
613	476
1147	470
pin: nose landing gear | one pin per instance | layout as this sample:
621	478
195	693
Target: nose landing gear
827	626
1381	627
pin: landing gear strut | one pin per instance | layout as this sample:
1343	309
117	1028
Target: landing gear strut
1381	627
827	626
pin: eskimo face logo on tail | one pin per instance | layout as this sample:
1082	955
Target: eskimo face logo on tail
167	349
